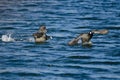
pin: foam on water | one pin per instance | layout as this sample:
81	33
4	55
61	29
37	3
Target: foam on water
31	39
7	38
79	41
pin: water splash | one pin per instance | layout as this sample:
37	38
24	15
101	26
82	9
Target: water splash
79	41
31	39
7	38
51	37
17	38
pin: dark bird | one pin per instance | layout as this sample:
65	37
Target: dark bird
86	37
41	35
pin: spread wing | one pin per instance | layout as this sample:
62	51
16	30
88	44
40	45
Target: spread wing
84	37
74	41
104	31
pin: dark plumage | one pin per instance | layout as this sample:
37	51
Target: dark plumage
41	36
38	35
86	37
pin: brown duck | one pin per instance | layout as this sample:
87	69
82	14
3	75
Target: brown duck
41	36
86	37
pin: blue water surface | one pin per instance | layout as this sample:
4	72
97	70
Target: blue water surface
23	59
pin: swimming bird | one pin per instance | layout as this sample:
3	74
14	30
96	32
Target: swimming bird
86	37
41	35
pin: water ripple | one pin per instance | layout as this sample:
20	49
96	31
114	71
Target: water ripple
55	60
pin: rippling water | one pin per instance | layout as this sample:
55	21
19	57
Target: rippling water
23	59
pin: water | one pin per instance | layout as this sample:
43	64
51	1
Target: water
22	59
